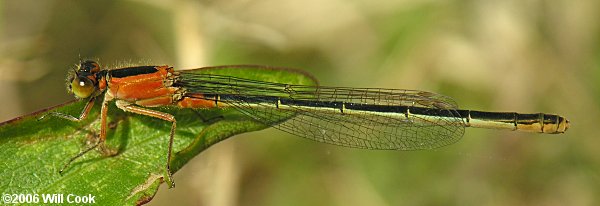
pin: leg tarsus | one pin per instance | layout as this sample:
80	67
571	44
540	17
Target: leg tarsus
78	156
83	115
128	107
209	120
170	180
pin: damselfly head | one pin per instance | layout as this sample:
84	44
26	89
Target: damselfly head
82	80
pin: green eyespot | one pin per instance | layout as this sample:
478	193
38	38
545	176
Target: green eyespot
82	87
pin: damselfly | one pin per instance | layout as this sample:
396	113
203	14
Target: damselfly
371	118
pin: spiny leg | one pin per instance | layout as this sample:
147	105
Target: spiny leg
126	106
78	156
103	117
82	116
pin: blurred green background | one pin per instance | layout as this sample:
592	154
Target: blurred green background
523	56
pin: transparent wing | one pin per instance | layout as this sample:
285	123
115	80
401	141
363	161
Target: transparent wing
265	102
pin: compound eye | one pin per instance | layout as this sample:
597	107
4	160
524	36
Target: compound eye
89	66
82	87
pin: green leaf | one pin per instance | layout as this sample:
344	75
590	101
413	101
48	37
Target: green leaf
129	168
